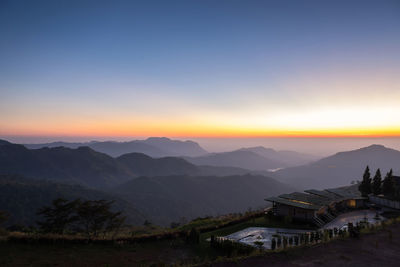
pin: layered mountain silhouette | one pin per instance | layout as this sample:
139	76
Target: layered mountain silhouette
153	146
252	158
286	158
143	165
21	198
75	166
341	168
239	158
167	199
87	167
161	189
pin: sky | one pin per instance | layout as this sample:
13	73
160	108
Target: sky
199	69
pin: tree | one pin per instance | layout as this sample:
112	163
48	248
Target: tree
3	217
174	225
91	217
377	183
194	236
259	245
273	244
95	217
365	185
388	185
147	223
59	217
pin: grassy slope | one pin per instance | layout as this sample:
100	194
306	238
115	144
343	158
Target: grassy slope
381	248
165	251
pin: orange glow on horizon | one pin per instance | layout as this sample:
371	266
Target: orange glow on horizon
202	132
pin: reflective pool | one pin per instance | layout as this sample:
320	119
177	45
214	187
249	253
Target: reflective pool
264	234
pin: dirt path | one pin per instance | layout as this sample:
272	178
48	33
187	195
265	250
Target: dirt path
378	249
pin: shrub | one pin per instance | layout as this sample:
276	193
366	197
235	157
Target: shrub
302	239
285	242
259	245
273	244
279	242
330	233
312	237
194	236
91	217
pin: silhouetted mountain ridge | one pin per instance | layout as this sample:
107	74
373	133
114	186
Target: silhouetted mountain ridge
341	168
21	198
81	166
153	146
286	158
141	164
238	158
168	198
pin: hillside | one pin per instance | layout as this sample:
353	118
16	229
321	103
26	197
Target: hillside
153	146
82	165
240	159
167	199
143	165
286	157
341	168
85	166
21	198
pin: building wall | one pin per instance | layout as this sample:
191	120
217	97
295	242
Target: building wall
349	203
385	202
294	212
360	203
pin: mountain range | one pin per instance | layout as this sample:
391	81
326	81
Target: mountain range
285	158
254	158
165	189
168	198
159	189
90	168
342	168
21	198
153	146
82	165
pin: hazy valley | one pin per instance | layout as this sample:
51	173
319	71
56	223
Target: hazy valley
170	189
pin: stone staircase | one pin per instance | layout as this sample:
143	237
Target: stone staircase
318	221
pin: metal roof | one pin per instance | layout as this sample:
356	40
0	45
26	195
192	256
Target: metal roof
308	198
348	192
293	203
323	193
316	199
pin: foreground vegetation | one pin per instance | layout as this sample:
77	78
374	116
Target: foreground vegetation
183	244
74	230
177	251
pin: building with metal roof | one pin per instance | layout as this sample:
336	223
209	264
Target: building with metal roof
317	206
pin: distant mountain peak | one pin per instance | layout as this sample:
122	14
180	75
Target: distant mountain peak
259	149
4	142
152	146
375	147
158	139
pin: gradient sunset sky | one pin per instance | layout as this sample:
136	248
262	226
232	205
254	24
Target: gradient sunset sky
200	68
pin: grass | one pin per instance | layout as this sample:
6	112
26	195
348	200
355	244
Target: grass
155	250
160	252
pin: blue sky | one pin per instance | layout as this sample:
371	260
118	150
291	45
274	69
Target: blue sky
229	67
